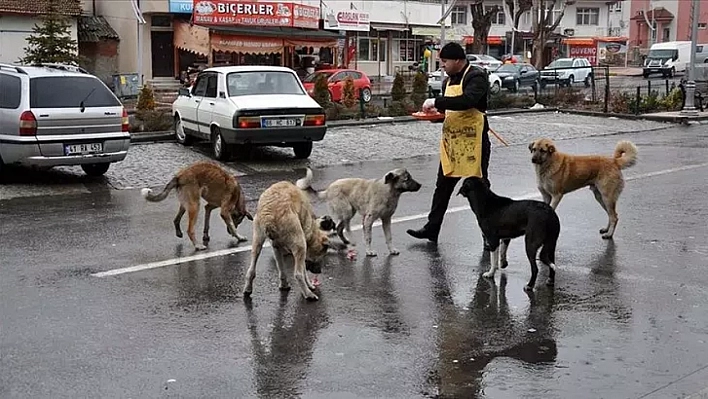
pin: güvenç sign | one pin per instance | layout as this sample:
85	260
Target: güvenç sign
252	13
350	20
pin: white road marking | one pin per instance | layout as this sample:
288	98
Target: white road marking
402	219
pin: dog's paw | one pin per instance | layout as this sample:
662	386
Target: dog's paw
240	238
206	240
504	264
603	230
371	253
488	274
200	247
284	288
246	294
606	236
313	297
394	251
179	234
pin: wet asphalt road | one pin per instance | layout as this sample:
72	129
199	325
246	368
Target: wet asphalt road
627	318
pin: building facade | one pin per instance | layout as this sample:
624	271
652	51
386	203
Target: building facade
670	19
17	19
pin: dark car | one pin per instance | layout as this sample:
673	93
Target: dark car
515	76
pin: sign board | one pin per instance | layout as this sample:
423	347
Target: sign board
348	20
181	6
589	52
255	13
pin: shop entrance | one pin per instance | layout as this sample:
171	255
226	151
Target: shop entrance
163	56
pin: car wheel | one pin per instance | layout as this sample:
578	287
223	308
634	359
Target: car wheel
571	80
587	81
218	146
496	88
302	150
516	86
95	169
180	135
366	94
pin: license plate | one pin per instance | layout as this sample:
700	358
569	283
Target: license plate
280	122
82	149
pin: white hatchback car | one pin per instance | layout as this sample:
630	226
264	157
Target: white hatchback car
435	84
249	105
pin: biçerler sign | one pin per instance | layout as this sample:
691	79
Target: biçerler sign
251	13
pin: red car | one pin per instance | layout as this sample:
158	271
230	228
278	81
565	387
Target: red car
335	81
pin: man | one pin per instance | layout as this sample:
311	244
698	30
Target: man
465	147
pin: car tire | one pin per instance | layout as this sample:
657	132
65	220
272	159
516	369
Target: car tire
571	80
219	148
586	82
516	86
180	135
366	94
302	150
95	169
496	88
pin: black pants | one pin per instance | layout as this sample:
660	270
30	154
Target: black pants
445	186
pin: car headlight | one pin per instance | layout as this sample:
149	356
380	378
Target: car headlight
508	78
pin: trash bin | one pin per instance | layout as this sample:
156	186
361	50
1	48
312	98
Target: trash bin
126	85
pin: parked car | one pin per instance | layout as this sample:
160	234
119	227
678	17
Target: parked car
515	76
241	106
335	81
435	84
485	61
60	115
567	71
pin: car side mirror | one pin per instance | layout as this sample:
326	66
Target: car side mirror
524	72
183	91
222	94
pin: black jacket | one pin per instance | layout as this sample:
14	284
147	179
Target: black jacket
475	91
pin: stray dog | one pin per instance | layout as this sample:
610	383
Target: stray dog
220	189
286	217
559	173
373	198
502	218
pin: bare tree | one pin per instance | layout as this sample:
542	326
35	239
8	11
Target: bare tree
513	10
544	24
481	23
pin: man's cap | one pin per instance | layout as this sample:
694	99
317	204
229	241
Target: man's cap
452	51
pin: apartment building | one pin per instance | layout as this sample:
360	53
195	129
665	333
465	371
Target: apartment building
656	21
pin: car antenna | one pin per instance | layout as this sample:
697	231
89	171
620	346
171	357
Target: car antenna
81	104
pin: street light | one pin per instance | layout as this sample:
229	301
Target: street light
689	107
443	16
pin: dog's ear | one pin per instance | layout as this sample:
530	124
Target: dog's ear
390	176
531	146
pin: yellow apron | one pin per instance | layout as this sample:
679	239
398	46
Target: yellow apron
461	141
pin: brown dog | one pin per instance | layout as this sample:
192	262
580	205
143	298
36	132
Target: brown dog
286	217
220	189
559	173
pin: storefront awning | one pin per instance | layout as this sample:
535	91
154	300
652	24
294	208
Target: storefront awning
246	44
291	36
491	40
386	26
579	41
191	38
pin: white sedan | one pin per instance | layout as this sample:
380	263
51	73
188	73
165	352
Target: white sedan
435	84
243	106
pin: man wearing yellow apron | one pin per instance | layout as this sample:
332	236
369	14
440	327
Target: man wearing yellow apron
464	144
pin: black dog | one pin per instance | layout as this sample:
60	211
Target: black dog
502	218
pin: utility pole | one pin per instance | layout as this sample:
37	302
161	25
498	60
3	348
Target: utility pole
689	107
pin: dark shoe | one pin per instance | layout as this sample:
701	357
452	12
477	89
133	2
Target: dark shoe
423	234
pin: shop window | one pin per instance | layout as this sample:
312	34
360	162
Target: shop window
458	16
588	16
372	49
499	18
406	50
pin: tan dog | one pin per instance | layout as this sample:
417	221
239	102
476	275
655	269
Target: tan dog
220	190
559	173
286	217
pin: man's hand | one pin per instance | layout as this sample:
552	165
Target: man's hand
429	105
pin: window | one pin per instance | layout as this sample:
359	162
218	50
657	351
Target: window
262	82
666	37
212	82
70	92
313	76
617	7
588	16
499	18
555	12
372	49
407	50
526	19
200	86
458	16
10	91
701	25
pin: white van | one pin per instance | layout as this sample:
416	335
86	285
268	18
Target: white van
667	58
701	53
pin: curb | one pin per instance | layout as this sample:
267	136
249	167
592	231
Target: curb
656	118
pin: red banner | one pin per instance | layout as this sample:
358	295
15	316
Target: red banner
589	52
253	13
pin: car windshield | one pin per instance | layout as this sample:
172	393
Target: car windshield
262	82
560	64
662	54
70	92
507	68
313	76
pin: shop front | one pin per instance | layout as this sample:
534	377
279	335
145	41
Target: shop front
599	50
254	33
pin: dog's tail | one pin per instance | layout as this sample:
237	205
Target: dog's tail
625	154
305	183
148	194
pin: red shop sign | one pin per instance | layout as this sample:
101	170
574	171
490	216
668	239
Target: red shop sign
255	13
589	52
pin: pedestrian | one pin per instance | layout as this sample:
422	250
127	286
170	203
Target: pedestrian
464	147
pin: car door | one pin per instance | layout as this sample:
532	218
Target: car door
189	111
336	85
205	110
525	77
